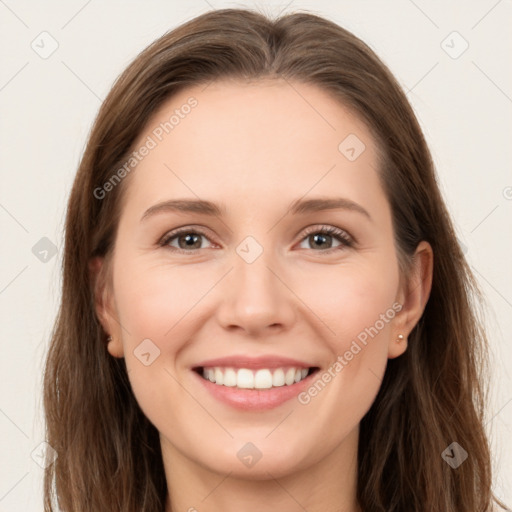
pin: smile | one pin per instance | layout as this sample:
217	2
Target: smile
245	378
255	389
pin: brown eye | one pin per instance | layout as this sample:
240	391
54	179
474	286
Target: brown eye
323	238
187	240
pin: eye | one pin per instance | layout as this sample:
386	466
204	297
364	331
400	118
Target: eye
187	239
322	237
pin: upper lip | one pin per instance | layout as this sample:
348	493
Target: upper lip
260	362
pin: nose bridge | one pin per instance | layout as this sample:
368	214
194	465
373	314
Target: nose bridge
254	297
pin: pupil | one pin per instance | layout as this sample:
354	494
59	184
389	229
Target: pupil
319	238
190	240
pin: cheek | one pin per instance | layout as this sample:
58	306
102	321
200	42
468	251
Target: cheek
155	302
359	311
355	303
353	300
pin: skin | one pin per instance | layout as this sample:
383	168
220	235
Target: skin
255	148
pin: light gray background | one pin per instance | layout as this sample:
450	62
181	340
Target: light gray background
48	104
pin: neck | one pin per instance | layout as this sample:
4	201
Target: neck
327	485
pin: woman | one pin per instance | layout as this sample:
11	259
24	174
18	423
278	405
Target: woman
209	353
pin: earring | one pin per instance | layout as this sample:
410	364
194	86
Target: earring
109	339
400	338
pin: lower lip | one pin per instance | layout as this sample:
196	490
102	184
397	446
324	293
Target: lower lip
254	399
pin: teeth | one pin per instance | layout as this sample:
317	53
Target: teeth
245	379
219	377
278	378
259	379
263	379
230	377
289	377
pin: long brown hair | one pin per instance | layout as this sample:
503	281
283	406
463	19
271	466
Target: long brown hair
109	454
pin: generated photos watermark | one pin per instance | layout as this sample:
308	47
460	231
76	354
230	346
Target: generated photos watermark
343	360
151	142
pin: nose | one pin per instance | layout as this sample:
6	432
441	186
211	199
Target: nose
256	298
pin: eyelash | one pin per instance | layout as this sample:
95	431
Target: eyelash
340	235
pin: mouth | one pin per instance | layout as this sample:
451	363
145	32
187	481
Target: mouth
253	383
254	379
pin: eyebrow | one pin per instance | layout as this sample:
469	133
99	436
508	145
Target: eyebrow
297	207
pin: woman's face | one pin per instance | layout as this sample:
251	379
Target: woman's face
285	263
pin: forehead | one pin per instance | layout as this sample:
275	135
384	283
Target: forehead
253	140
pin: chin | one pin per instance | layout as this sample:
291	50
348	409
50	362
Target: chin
258	460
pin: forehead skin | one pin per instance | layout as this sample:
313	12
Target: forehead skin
257	147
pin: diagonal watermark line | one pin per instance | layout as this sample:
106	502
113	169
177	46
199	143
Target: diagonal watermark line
284	78
12	280
76	14
14	486
486	217
287	492
492	81
81	80
14	423
485	15
13	13
13	217
506	403
424	76
209	4
424	14
217	486
119	323
206	86
200	404
497	291
376	376
14	76
279	423
212	287
284	8
312	187
301	300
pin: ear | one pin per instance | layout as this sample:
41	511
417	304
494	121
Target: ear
413	296
104	304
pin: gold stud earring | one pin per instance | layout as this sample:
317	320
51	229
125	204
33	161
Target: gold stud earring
400	338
